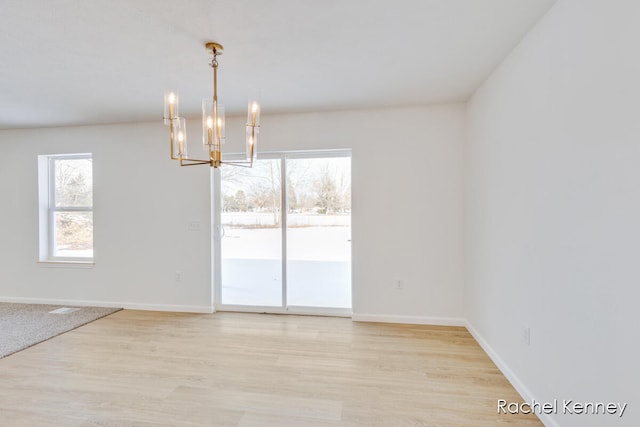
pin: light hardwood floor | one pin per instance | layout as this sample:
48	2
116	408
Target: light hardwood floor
137	368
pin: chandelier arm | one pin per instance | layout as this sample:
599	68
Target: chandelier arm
240	164
193	162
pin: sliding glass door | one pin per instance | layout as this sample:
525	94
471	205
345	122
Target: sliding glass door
285	234
252	235
319	232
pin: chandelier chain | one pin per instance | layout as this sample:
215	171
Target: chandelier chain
214	60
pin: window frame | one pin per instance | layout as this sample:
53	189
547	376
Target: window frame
48	208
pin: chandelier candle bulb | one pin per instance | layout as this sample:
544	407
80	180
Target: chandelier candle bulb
181	144
209	131
252	136
253	118
208	124
170	106
180	133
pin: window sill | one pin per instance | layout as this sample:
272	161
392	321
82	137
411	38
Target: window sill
66	264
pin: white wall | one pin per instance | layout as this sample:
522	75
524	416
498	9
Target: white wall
143	204
407	196
554	207
406	202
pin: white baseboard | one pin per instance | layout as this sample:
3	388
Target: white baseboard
509	374
413	320
125	305
172	308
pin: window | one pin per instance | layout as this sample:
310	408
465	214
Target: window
66	207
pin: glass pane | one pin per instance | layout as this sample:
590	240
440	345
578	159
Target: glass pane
252	235
319	232
73	236
74	182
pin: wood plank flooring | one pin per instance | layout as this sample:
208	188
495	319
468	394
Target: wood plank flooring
136	368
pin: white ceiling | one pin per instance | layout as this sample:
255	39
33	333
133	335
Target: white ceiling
69	62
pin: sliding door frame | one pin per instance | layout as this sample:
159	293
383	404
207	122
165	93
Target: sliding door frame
216	217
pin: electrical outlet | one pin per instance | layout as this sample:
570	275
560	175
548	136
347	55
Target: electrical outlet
178	276
399	284
526	334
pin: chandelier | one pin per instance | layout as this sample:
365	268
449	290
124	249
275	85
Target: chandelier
213	124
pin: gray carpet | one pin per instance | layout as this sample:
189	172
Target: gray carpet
23	325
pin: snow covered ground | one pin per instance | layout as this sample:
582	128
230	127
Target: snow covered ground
318	267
